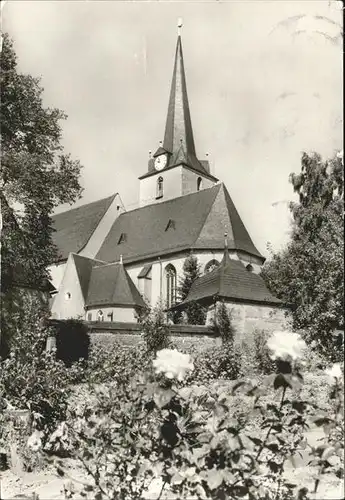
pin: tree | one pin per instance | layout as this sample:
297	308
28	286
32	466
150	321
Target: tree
222	324
308	274
196	314
156	331
36	177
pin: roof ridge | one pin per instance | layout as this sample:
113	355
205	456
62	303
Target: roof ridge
87	204
168	201
203	224
74	254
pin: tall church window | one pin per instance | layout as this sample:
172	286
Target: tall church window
159	192
211	265
170	276
199	184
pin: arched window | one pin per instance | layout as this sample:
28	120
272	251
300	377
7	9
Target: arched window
170	277
100	316
199	184
249	268
159	192
210	266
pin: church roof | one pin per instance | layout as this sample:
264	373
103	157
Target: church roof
111	285
178	136
199	221
74	228
84	267
230	280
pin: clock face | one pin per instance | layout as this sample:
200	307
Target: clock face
160	162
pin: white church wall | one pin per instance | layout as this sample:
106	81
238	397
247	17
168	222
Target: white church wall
190	180
56	273
69	301
157	286
98	236
172	186
112	313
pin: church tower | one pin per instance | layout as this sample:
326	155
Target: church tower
174	169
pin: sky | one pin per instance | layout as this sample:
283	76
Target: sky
264	81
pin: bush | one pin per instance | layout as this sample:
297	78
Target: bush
195	441
262	361
32	379
115	362
222	323
219	362
72	341
156	332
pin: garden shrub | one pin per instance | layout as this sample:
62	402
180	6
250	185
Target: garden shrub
32	379
156	332
218	362
262	360
222	323
193	439
72	341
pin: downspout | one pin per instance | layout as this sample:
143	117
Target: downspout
160	278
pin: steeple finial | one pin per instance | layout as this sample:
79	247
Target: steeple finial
179	26
178	123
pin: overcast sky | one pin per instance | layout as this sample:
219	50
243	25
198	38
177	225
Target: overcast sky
264	81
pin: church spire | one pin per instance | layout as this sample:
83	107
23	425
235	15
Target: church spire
178	128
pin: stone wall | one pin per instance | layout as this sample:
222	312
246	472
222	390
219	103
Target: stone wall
250	317
183	336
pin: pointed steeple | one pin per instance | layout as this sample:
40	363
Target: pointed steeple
178	128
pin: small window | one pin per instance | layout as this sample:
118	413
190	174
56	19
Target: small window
159	190
211	265
122	239
170	225
250	268
89	316
68	296
199	184
170	277
100	316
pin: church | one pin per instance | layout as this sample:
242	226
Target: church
112	261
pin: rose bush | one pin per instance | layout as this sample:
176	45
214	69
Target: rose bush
192	438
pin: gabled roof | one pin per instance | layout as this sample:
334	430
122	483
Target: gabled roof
200	221
230	280
111	285
74	228
84	267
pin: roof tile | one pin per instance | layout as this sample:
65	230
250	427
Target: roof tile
74	228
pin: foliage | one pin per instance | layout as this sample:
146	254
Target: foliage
72	341
31	379
156	333
222	323
195	313
262	359
218	362
308	274
131	434
36	177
